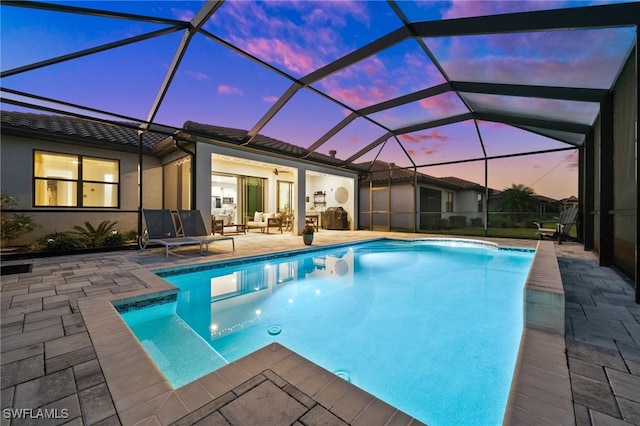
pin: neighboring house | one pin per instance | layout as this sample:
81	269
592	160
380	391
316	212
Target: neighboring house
572	201
66	170
545	205
392	197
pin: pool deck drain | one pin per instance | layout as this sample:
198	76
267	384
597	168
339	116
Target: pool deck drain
49	360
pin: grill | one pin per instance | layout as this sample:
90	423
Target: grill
335	218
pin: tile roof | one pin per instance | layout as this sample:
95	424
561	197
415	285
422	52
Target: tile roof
262	142
380	173
77	129
462	183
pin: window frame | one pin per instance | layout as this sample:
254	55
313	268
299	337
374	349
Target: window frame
448	204
78	182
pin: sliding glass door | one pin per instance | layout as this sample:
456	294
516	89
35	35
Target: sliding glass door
285	197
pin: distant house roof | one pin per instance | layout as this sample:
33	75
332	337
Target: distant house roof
71	129
381	171
572	199
466	184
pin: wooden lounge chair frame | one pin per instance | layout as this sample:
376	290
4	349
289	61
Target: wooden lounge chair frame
565	220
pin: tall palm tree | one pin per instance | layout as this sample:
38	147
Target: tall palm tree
518	199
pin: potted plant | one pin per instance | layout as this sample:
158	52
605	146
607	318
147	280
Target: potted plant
307	234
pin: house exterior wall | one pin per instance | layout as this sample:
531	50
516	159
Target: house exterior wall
403	199
176	176
16	178
465	203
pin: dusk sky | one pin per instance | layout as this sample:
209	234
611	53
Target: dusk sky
216	85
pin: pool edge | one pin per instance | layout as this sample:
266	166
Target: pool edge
541	388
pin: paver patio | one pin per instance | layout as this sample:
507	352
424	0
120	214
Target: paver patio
49	361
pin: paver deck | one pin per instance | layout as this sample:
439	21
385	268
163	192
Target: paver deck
53	365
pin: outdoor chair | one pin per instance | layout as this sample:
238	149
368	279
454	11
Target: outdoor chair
161	229
563	226
192	226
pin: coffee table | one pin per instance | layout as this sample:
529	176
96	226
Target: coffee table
240	228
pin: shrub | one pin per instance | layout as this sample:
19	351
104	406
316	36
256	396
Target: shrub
58	241
506	222
458	221
114	240
476	222
437	224
131	235
13	225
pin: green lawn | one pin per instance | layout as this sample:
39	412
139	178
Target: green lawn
524	233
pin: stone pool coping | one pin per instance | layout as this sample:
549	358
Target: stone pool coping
540	389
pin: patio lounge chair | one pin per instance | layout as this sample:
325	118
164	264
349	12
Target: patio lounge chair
161	229
565	221
192	226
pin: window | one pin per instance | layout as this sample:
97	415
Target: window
65	180
449	203
480	203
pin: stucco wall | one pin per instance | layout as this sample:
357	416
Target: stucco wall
16	179
466	204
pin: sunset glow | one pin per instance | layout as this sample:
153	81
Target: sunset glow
251	53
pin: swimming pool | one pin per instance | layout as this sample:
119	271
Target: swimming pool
398	319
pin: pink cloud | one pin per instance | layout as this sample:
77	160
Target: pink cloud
359	96
225	89
281	52
197	75
299	36
441	104
270	99
183	14
466	8
420	137
556	57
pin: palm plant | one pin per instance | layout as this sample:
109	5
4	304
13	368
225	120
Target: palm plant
94	237
518	198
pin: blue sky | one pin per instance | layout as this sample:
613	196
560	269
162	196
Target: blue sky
216	85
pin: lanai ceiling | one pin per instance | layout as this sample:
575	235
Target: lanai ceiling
411	83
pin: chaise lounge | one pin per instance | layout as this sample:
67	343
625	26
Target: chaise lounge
161	229
192	226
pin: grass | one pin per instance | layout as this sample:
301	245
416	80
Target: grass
523	233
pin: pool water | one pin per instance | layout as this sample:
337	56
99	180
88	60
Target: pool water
431	327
